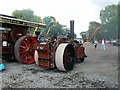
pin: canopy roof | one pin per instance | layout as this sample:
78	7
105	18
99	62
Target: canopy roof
4	19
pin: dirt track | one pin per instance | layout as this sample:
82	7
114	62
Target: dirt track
99	70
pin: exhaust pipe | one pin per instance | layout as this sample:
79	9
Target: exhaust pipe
72	29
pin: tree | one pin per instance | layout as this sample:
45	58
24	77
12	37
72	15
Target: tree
109	13
84	34
119	18
26	14
109	21
92	26
57	29
109	24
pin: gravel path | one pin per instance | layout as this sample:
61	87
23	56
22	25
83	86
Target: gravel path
99	70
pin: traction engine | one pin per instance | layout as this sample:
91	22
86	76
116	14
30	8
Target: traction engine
59	52
15	41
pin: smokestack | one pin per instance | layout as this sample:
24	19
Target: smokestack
72	29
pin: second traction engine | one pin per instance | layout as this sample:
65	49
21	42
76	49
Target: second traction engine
59	52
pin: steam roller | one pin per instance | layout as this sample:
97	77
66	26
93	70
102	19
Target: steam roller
62	58
59	52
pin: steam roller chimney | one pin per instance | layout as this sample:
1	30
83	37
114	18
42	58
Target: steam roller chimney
72	29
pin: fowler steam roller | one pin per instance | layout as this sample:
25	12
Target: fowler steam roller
60	52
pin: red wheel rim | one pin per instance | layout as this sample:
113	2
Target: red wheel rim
68	57
26	49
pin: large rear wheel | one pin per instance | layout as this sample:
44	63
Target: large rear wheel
17	32
65	57
24	49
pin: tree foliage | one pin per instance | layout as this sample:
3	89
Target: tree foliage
26	14
109	13
92	26
119	19
109	23
84	34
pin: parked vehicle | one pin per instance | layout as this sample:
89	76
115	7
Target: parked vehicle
116	42
14	38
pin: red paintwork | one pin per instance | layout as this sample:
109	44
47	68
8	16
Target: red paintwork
79	52
9	48
27	48
17	32
45	55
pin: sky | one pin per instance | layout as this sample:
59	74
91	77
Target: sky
81	11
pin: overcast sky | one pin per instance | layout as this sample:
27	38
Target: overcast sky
81	11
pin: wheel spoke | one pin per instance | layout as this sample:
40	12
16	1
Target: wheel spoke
28	41
25	43
27	58
31	56
22	51
22	46
67	58
31	53
23	55
31	44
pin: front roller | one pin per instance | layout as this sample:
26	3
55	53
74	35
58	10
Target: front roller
36	57
24	49
65	57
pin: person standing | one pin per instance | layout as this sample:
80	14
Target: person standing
103	44
95	44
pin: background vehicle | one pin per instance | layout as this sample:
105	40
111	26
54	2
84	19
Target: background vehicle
116	42
15	40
